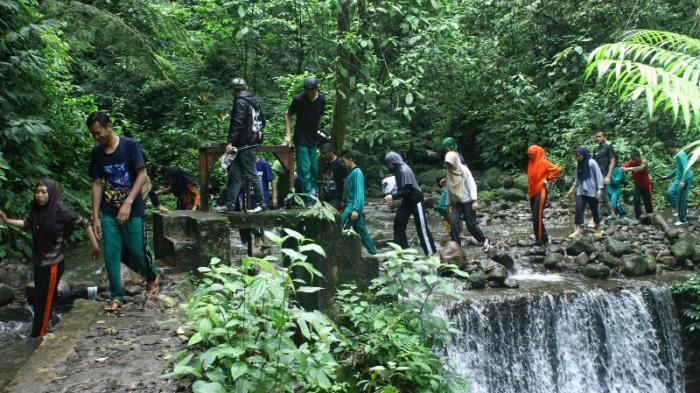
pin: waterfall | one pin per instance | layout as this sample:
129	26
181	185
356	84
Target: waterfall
624	340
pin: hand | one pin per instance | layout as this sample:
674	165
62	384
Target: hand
607	180
354	215
97	228
681	185
388	198
163	209
124	213
95	253
229	147
475	205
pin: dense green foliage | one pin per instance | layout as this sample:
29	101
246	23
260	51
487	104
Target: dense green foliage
689	292
399	74
250	335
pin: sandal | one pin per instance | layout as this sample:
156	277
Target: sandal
153	286
113	306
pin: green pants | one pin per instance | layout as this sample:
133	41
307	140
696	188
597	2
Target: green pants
131	235
307	168
361	229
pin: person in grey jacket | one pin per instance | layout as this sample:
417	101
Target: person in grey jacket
588	186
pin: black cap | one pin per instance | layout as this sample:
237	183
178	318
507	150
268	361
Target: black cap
310	83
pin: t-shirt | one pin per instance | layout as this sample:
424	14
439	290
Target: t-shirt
308	115
603	155
332	176
118	170
49	256
641	177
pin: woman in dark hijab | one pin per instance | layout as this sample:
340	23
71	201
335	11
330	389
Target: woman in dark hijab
183	187
50	222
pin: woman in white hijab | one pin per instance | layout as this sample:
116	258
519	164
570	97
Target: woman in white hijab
462	198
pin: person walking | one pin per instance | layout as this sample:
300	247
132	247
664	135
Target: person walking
354	192
589	188
408	191
333	174
677	193
245	135
118	207
309	108
642	183
463	200
607	161
539	172
614	190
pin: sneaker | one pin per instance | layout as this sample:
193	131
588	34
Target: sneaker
679	223
221	209
599	234
257	209
487	245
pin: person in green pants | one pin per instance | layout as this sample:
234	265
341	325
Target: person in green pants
677	193
353	214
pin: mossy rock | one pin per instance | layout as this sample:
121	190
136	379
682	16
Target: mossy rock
431	177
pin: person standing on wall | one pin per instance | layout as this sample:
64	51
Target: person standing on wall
244	135
308	107
408	191
332	177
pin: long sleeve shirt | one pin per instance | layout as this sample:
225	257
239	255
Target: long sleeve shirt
354	193
681	171
590	186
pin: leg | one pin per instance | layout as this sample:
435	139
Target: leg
595	212
424	235
248	163
313	167
455	222
537	206
580	206
683	203
359	227
648	202
112	236
236	177
400	223
638	203
46	280
472	226
135	239
304	168
672	194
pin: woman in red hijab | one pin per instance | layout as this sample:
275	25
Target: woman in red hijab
539	172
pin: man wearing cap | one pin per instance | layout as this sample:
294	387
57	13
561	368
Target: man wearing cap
308	107
245	130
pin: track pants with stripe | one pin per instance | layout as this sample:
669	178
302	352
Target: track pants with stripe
679	199
537	203
464	210
412	204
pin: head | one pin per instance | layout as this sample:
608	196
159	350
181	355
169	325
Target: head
671	146
452	161
100	126
327	152
347	159
636	155
41	194
239	86
582	154
449	144
392	160
535	152
311	88
601	136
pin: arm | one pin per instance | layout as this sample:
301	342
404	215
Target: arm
553	172
93	242
195	196
96	202
611	168
166	190
10	221
236	127
125	209
274	193
288	122
471	189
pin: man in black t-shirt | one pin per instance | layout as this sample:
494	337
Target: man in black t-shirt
308	107
605	157
332	177
118	164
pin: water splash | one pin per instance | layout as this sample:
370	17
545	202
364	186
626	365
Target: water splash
595	341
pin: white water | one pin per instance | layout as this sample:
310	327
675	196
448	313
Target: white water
594	341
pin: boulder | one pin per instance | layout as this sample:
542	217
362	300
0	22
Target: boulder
521	182
576	247
618	248
650	264
477	279
453	253
486	196
431	202
668	260
512	195
492	177
608	260
498	274
634	265
504	259
596	270
582	259
696	255
683	250
7	295
431	177
508	182
552	260
511	283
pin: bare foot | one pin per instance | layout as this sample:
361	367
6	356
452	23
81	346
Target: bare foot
153	287
113	305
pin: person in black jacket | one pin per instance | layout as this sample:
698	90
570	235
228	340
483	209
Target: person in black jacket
411	196
245	130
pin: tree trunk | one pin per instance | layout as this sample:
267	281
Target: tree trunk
344	71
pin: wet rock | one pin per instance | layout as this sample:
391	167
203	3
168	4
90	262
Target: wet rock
596	270
608	260
683	250
11	278
582	259
618	248
498	274
512	195
696	255
552	260
508	182
511	283
646	219
668	260
428	178
650	264
627	221
637	265
576	247
504	259
133	290
477	279
7	295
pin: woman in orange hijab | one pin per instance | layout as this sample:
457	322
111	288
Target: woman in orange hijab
539	172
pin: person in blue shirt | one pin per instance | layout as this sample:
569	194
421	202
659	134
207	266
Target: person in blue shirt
354	192
677	193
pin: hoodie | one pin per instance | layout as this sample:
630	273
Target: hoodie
405	179
539	169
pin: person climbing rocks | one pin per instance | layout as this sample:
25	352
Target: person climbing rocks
450	144
614	190
409	192
606	160
353	214
642	183
245	134
50	222
309	108
181	185
539	172
118	207
463	200
332	179
588	186
677	193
